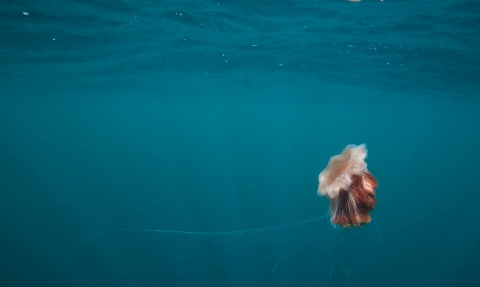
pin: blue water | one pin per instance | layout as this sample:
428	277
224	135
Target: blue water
178	143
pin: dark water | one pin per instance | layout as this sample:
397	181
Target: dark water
124	121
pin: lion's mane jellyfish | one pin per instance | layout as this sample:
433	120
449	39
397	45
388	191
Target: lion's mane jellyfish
349	187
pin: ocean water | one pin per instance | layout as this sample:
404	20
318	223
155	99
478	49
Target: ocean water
178	143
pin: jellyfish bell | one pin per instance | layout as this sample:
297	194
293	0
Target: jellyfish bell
349	186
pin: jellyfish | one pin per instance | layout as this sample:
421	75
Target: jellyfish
349	186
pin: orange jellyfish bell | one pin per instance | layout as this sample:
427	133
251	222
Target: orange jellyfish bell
349	187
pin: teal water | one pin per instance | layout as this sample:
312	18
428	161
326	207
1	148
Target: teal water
178	143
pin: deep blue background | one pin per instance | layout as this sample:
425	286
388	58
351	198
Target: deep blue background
123	120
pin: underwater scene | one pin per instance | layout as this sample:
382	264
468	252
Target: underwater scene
239	143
